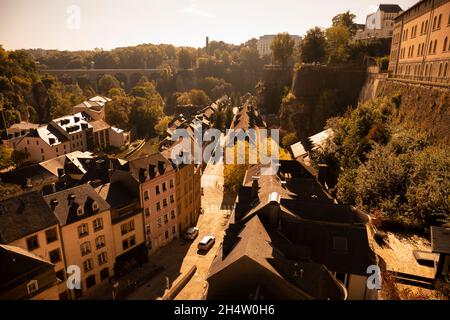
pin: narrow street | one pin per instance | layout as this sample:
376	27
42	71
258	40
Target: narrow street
178	257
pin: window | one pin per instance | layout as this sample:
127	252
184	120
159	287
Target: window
166	234
164	188
90	281
166	219
128	243
32	286
127	227
164	203
158	206
147	229
85	248
340	243
83	230
100	242
104	274
147	212
174	230
80	211
98	224
172	214
88	265
444	48
102	258
159	222
54	256
51	235
157	190
172	200
32	243
171	183
439	21
60	275
146	195
435	45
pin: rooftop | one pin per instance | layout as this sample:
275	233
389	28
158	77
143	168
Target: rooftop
76	204
72	123
19	266
23	215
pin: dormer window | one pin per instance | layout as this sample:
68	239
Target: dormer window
32	286
80	211
94	206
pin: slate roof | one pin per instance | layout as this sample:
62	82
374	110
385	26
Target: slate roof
19	266
390	8
23	215
116	194
66	209
309	217
251	240
137	166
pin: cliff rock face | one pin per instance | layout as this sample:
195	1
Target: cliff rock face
320	92
423	107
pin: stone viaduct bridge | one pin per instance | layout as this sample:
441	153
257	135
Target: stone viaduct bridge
128	77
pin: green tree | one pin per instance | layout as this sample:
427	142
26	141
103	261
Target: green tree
162	125
282	48
107	82
347	20
144	116
313	46
185	58
338	39
289	139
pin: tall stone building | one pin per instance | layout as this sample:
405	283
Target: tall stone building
420	48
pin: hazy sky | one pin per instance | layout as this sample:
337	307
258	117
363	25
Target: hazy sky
52	24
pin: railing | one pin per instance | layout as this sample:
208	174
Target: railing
440	81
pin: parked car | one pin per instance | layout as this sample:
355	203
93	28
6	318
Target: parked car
206	243
191	233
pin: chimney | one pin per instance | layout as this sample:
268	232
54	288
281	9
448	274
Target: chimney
255	187
99	163
152	171
322	174
71	199
53	204
161	167
274	209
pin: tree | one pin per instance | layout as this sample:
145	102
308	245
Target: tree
313	46
118	110
345	19
282	48
144	115
162	125
289	139
107	82
185	58
198	97
338	39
